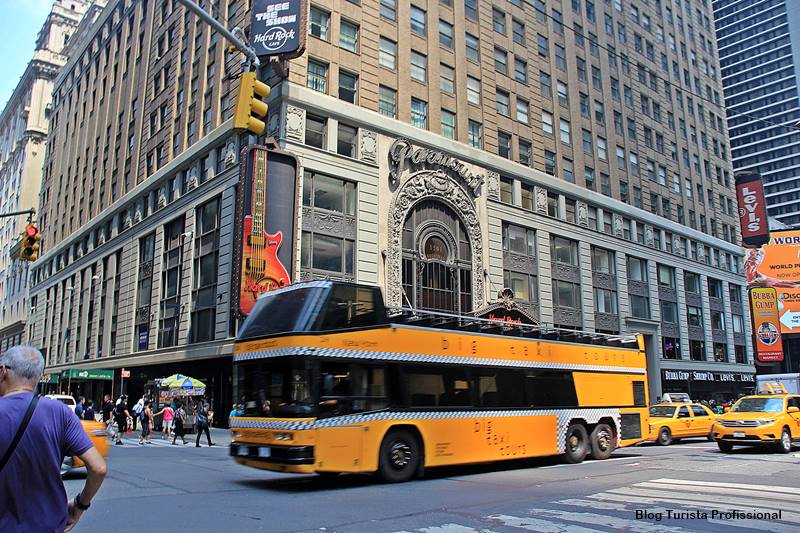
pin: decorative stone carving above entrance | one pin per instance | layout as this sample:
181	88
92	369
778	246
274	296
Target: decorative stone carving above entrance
583	214
649	240
540	195
432	185
493	185
617	225
368	145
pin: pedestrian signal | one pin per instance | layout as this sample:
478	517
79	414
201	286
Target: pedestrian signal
248	105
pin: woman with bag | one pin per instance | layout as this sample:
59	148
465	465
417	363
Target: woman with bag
203	420
179	421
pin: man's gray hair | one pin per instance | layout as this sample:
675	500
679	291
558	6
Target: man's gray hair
25	362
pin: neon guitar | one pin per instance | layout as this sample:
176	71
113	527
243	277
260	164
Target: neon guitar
262	271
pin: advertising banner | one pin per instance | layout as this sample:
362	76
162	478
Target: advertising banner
752	209
265	225
789	309
777	265
764	303
279	27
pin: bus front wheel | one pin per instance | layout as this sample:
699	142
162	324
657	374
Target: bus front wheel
399	456
576	445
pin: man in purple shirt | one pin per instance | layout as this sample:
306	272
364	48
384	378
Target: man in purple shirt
32	496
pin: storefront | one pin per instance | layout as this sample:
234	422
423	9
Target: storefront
708	385
92	384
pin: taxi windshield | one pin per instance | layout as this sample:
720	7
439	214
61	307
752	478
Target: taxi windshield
758	405
662	411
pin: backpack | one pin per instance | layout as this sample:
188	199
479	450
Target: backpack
202	417
138	408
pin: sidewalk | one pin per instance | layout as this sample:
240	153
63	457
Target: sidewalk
220	437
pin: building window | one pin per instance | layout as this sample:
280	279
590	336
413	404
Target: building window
499	21
389	9
172	267
319	23
315	131
564	134
669	312
694	316
346	140
323	254
640	306
525	153
520	241
419	113
317	76
740	353
348	36
506	190
475	134
637	269
720	352
387	53
445	34
348	86
144	292
550	162
419	66
697	350
473	47
518	29
566	294
501	60
448	122
714	288
471	9
735	292
520	70
473	90
717	320
603	261
206	263
691	282
605	301
563	93
447	76
666	276
564	251
503	103
504	144
418	17
387	101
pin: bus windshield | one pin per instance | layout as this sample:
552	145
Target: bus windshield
758	405
662	411
276	388
282	311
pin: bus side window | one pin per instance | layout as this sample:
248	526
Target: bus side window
638	394
350	306
551	388
436	387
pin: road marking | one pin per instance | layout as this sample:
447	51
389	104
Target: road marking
539	525
451	528
673	487
587	462
767	488
613	522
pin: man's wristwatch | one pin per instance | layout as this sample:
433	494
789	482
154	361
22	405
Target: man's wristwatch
80	505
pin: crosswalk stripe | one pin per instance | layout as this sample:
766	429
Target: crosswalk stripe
540	525
451	528
709	501
761	488
594	519
773	496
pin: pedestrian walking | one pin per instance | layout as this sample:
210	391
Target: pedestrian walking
203	420
121	416
88	413
79	407
146	418
180	420
108	408
137	411
169	416
35	434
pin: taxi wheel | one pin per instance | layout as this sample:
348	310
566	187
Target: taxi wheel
725	447
576	445
601	441
785	445
399	456
664	436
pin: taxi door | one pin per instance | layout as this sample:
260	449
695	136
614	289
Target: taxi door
794	401
683	422
702	421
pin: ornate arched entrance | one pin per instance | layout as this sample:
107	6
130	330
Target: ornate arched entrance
435	256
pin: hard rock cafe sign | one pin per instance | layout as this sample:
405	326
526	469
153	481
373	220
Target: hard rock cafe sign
505	309
402	155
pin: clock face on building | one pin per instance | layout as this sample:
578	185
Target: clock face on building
436	249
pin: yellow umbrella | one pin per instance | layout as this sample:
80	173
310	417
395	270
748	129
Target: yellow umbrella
180	385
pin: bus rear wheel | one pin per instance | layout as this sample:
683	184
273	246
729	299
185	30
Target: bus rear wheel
576	444
601	441
399	456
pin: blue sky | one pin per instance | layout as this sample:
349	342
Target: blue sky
20	22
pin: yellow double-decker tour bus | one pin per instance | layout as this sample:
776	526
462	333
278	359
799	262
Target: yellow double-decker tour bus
330	382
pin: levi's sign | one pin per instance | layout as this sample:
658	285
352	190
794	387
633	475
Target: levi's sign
278	27
752	209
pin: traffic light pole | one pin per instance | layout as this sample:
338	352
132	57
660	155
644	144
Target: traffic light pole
29	212
252	61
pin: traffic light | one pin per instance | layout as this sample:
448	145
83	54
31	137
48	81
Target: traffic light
30	243
248	104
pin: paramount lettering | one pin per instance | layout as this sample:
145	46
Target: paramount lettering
402	153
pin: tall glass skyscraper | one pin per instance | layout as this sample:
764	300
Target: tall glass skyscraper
759	51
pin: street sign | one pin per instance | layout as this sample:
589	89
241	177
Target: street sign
764	304
77	373
279	27
752	209
125	373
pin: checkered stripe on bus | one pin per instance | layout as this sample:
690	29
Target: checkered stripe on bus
591	416
425	358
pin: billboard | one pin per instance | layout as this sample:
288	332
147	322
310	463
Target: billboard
752	209
764	303
279	27
777	265
265	225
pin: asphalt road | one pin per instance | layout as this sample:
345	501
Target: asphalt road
174	488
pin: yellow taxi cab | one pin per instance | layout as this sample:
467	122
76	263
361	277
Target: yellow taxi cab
760	420
95	430
670	422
